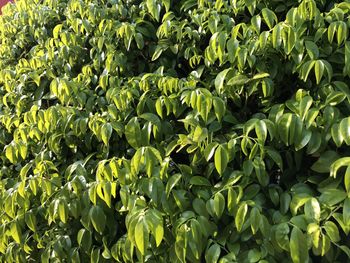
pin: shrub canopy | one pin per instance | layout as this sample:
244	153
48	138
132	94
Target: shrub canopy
175	131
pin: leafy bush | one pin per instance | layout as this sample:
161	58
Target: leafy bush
175	131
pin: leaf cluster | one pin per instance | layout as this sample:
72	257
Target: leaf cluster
175	131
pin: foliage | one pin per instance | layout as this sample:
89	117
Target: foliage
175	131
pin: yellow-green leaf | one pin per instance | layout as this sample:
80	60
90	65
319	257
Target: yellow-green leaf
240	216
319	69
221	159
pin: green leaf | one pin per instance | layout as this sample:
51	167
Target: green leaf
16	231
219	81
238	80
106	132
240	216
139	40
261	76
345	161
347	179
212	254
98	218
23	150
260	171
159	234
95	255
331	31
335	98
173	180
210	150
284	127
285	200
346	211
219	108
298	200
345	129
261	131
329	69
298	246
312	50
255	220
219	204
325	244
319	69
295	131
30	220
332	231
323	164
199	180
56	31
155	220
158	51
141	235
312	209
314	143
336	135
275	156
10	154
332	197
346	250
291	36
281	235
304	106
305	138
63	210
269	17
254	255
277	36
153	8
133	133
84	239
166	4
221	159
342	32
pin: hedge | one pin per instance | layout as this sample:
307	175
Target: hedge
175	131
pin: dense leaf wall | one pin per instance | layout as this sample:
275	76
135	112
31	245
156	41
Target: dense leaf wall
175	131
